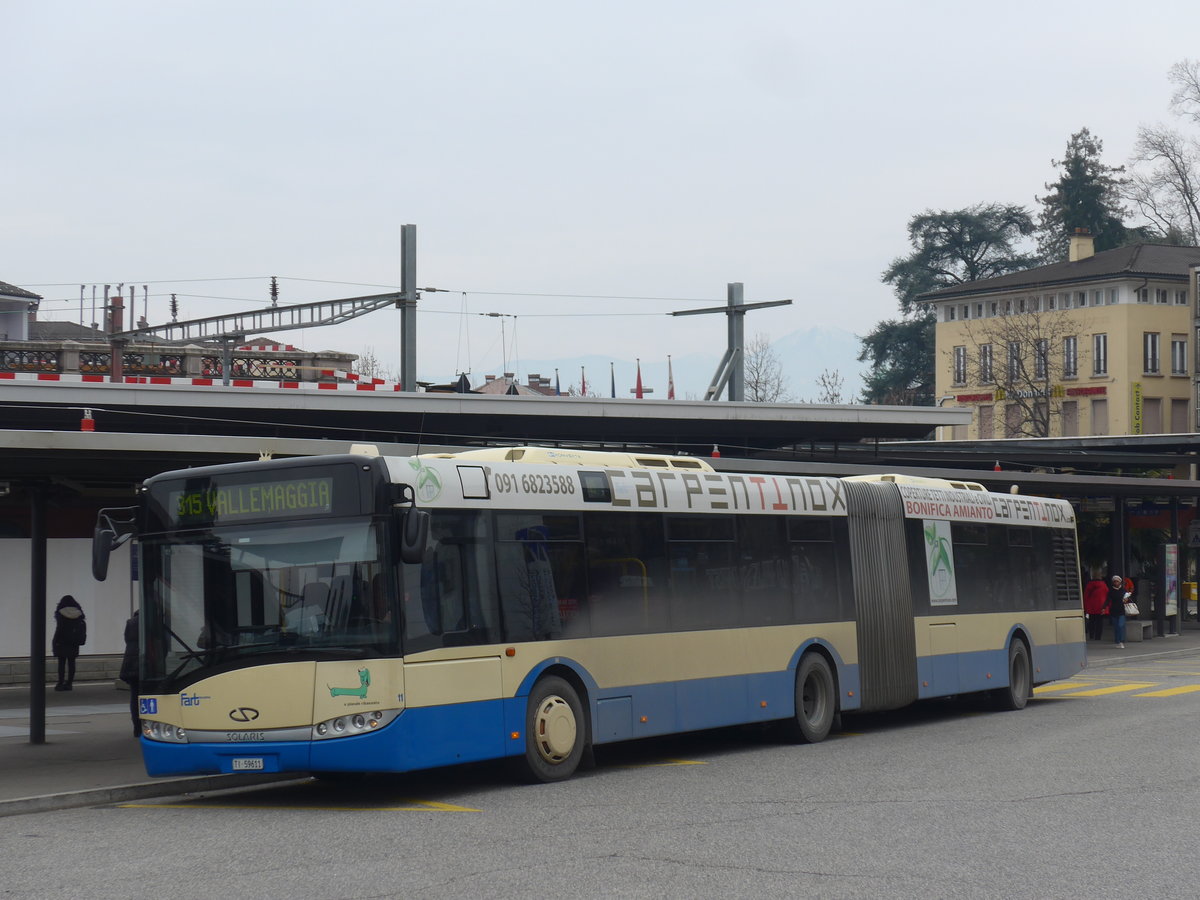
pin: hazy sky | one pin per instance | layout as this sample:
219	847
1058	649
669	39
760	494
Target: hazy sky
543	149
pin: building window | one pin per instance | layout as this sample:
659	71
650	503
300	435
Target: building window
1099	417
1081	298
1097	298
960	365
986	423
1008	307
1070	357
1150	340
1160	295
1113	296
1181	298
966	312
993	312
1051	301
979	310
1143	295
949	312
1020	304
1152	419
1070	418
1179	417
1179	354
986	375
1041	359
1014	360
1035	303
1014	417
1100	355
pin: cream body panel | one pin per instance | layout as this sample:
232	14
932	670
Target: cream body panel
281	695
340	689
436	682
621	661
989	631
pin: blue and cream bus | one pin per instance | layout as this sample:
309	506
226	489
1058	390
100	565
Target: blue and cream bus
362	613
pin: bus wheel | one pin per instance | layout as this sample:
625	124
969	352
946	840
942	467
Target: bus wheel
1016	695
554	732
816	701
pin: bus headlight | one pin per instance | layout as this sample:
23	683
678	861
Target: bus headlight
163	731
359	723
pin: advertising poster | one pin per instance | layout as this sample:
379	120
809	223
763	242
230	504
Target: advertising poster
939	563
1171	577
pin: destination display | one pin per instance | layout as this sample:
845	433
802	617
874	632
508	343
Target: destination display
266	500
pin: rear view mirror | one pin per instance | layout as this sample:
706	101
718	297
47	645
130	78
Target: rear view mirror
113	528
414	532
102	544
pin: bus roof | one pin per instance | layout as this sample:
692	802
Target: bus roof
919	480
562	457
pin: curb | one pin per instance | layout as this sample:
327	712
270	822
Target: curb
139	791
1116	660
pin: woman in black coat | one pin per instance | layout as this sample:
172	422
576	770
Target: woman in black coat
70	633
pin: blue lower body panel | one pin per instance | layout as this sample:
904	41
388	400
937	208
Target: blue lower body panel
427	737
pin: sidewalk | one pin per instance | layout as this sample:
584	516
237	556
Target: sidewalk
90	755
1105	653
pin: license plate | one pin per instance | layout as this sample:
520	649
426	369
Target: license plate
250	764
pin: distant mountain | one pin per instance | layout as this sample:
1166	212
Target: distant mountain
804	355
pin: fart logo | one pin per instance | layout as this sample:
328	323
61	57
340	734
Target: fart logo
191	699
148	706
364	682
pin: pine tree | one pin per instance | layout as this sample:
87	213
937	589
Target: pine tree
1087	195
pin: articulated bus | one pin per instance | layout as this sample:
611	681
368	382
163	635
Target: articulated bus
362	613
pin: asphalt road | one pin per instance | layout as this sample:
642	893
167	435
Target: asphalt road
1089	792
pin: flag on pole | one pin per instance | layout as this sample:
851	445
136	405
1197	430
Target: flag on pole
557	388
612	380
637	392
670	380
582	382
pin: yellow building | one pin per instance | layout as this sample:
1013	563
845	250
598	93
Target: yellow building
1098	345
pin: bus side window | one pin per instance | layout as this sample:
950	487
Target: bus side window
627	584
448	598
814	570
766	577
705	583
974	568
540	575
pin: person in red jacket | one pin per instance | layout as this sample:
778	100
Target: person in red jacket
1095	595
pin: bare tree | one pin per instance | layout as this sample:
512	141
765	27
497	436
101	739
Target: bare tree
764	381
1023	356
829	387
370	365
1165	183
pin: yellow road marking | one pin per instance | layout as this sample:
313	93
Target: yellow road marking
411	806
1172	692
665	762
1112	689
1061	686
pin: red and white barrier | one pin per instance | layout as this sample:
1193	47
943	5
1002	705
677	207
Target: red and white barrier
351	384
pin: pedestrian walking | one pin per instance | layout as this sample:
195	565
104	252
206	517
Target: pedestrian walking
1117	595
70	633
129	669
1095	599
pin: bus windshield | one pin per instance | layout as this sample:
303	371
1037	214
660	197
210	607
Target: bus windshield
225	597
